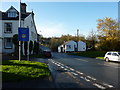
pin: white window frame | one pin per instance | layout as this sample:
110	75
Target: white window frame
12	14
6	28
6	46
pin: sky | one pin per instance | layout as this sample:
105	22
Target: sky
54	19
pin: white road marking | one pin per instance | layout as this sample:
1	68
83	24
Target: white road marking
110	86
72	69
82	60
74	73
99	86
62	67
81	77
66	69
107	65
86	78
91	78
79	72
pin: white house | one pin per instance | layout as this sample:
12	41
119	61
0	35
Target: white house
81	46
71	46
67	47
9	24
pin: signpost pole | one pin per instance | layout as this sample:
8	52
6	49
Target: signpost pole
20	26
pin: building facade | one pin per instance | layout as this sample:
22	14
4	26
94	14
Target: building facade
71	46
9	23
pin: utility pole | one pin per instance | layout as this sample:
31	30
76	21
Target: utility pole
19	27
77	38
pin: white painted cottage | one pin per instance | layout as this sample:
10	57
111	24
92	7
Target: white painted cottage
71	46
81	46
9	26
67	47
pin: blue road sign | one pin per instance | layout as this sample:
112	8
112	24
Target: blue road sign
23	34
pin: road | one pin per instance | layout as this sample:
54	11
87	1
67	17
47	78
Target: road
80	72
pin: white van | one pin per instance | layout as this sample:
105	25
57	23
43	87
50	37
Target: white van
112	56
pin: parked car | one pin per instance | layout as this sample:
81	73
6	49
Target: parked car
47	53
112	56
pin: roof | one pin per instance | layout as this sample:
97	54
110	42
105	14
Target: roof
5	16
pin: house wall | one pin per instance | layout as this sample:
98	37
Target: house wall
9	35
72	45
29	23
81	46
60	48
0	36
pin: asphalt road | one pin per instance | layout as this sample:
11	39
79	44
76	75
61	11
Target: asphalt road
79	72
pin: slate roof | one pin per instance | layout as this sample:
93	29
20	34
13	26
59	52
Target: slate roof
5	16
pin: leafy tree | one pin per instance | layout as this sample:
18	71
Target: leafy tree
25	47
109	35
30	47
15	42
36	48
91	40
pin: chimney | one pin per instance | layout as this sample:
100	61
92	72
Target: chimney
23	8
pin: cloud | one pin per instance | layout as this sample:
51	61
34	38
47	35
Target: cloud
51	29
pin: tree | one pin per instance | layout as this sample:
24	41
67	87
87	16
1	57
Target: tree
36	48
25	47
91	40
109	35
30	47
15	42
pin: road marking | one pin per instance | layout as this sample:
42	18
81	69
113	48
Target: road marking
74	73
62	67
81	77
82	60
71	69
86	78
91	78
79	72
107	65
110	86
99	86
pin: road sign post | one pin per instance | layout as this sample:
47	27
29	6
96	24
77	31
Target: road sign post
23	35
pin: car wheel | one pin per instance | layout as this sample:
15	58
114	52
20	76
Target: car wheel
107	59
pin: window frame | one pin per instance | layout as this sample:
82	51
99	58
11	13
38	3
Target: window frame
5	40
5	28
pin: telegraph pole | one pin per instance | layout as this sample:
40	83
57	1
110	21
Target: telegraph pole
77	38
19	27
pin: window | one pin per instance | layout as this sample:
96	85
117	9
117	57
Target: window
109	54
12	14
114	54
8	28
8	43
69	46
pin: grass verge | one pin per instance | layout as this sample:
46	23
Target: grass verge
15	70
91	54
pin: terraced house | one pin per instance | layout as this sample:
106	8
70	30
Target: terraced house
9	23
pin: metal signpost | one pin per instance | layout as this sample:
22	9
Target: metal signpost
23	33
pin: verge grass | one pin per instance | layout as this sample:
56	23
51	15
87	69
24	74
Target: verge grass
15	70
